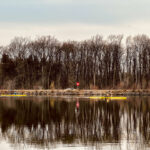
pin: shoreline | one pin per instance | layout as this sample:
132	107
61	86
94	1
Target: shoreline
76	92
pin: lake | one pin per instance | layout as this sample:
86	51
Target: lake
72	123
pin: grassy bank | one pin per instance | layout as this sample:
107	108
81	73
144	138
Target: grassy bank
59	92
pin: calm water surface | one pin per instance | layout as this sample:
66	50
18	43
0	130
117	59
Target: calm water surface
74	123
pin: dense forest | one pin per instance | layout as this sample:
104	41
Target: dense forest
98	63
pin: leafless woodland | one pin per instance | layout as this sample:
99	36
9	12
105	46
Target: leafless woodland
98	63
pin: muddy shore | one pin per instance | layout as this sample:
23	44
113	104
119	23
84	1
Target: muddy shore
56	92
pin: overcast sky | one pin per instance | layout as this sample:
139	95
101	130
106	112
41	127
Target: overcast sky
72	19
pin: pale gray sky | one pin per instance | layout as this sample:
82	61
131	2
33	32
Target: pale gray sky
72	19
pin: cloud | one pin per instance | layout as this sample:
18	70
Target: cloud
72	19
79	11
63	32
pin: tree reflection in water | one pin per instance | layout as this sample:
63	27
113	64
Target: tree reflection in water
47	120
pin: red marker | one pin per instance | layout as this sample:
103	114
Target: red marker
77	104
78	83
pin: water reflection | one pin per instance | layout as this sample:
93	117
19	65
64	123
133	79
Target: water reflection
48	121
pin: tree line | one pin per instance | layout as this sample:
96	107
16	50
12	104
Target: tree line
97	63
